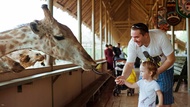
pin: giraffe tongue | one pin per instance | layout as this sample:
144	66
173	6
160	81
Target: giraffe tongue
95	70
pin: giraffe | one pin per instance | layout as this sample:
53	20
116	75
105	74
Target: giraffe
63	37
7	64
27	57
49	36
19	60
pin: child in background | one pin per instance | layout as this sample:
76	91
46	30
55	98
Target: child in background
147	85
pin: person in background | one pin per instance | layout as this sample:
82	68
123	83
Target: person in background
117	51
123	55
147	85
155	46
108	52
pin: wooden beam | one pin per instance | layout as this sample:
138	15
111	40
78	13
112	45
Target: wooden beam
127	22
117	29
121	26
152	11
124	36
119	5
155	4
137	6
142	7
70	3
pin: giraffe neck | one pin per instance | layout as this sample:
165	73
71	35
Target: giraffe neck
22	38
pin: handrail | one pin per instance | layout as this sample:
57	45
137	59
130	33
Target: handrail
24	80
102	61
28	79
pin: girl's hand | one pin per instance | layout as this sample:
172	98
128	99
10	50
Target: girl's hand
120	80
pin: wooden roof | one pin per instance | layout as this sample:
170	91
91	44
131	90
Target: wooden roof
121	14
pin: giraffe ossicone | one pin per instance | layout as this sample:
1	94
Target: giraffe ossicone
49	36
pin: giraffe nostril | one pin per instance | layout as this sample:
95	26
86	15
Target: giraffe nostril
27	58
42	64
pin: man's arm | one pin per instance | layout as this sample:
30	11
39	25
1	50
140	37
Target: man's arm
127	69
169	62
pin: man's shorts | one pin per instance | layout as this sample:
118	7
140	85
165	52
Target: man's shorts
165	80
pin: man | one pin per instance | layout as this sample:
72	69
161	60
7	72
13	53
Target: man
152	45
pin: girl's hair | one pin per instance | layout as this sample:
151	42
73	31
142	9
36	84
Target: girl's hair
151	68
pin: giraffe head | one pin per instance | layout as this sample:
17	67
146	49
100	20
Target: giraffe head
7	64
27	57
64	44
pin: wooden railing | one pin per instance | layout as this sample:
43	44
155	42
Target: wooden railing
180	70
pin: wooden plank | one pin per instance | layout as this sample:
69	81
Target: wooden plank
88	92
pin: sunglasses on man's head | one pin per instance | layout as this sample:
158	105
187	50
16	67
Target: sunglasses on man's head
137	26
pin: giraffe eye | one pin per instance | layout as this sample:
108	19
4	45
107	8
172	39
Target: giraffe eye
59	38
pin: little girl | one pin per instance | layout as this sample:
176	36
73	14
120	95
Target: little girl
147	85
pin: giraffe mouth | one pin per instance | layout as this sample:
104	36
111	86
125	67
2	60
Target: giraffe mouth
95	70
17	67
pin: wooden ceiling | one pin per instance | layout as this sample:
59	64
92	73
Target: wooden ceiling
120	14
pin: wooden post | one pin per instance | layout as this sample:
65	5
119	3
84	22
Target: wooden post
50	58
173	37
100	30
93	30
79	20
105	28
188	54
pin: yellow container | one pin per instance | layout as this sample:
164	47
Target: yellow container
132	77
